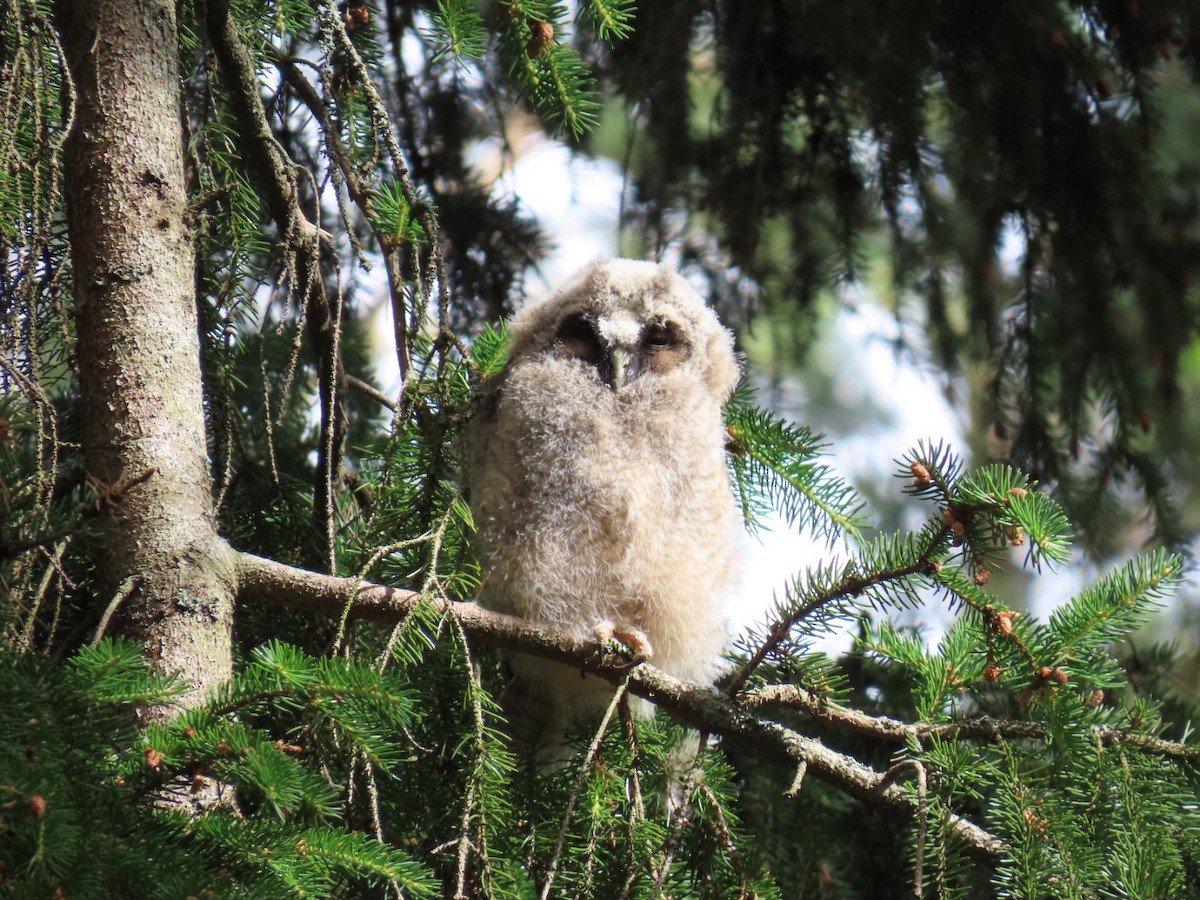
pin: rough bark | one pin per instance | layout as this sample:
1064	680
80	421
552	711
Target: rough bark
138	350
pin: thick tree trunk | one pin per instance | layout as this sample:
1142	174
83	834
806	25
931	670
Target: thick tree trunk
138	344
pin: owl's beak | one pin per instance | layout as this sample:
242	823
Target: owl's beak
618	334
621	372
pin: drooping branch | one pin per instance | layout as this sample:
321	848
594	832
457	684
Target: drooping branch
303	241
361	194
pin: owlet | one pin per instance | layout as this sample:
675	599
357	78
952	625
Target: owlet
597	478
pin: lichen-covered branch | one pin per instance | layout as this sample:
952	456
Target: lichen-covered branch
975	728
303	242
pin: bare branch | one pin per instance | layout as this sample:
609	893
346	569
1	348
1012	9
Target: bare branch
371	391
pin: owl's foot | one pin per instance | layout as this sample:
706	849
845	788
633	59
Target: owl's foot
633	638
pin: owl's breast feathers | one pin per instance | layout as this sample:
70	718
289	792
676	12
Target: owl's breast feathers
608	507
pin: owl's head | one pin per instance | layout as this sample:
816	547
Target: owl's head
626	320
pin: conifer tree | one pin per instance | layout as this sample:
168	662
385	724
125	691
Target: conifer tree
239	655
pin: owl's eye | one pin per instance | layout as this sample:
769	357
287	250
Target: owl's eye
659	335
576	337
579	327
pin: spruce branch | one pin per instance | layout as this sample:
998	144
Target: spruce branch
975	514
1116	605
774	460
457	29
974	728
852	583
612	19
549	74
267	581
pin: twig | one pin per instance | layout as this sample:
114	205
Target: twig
433	269
54	565
793	790
637	805
681	814
371	391
126	588
474	690
464	846
577	788
380	553
361	194
726	838
431	580
890	776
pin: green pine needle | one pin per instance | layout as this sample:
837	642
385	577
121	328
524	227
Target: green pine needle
490	349
458	28
774	460
612	19
394	216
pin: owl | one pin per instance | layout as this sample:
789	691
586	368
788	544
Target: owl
595	467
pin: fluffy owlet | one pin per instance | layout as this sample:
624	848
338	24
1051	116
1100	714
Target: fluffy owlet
597	479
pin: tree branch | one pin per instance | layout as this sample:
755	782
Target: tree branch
371	391
977	728
851	584
267	581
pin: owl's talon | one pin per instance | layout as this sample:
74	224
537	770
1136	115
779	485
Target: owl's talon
633	638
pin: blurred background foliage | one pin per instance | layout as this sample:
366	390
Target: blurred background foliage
1016	185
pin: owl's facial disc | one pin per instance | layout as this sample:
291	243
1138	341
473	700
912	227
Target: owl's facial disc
621	347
